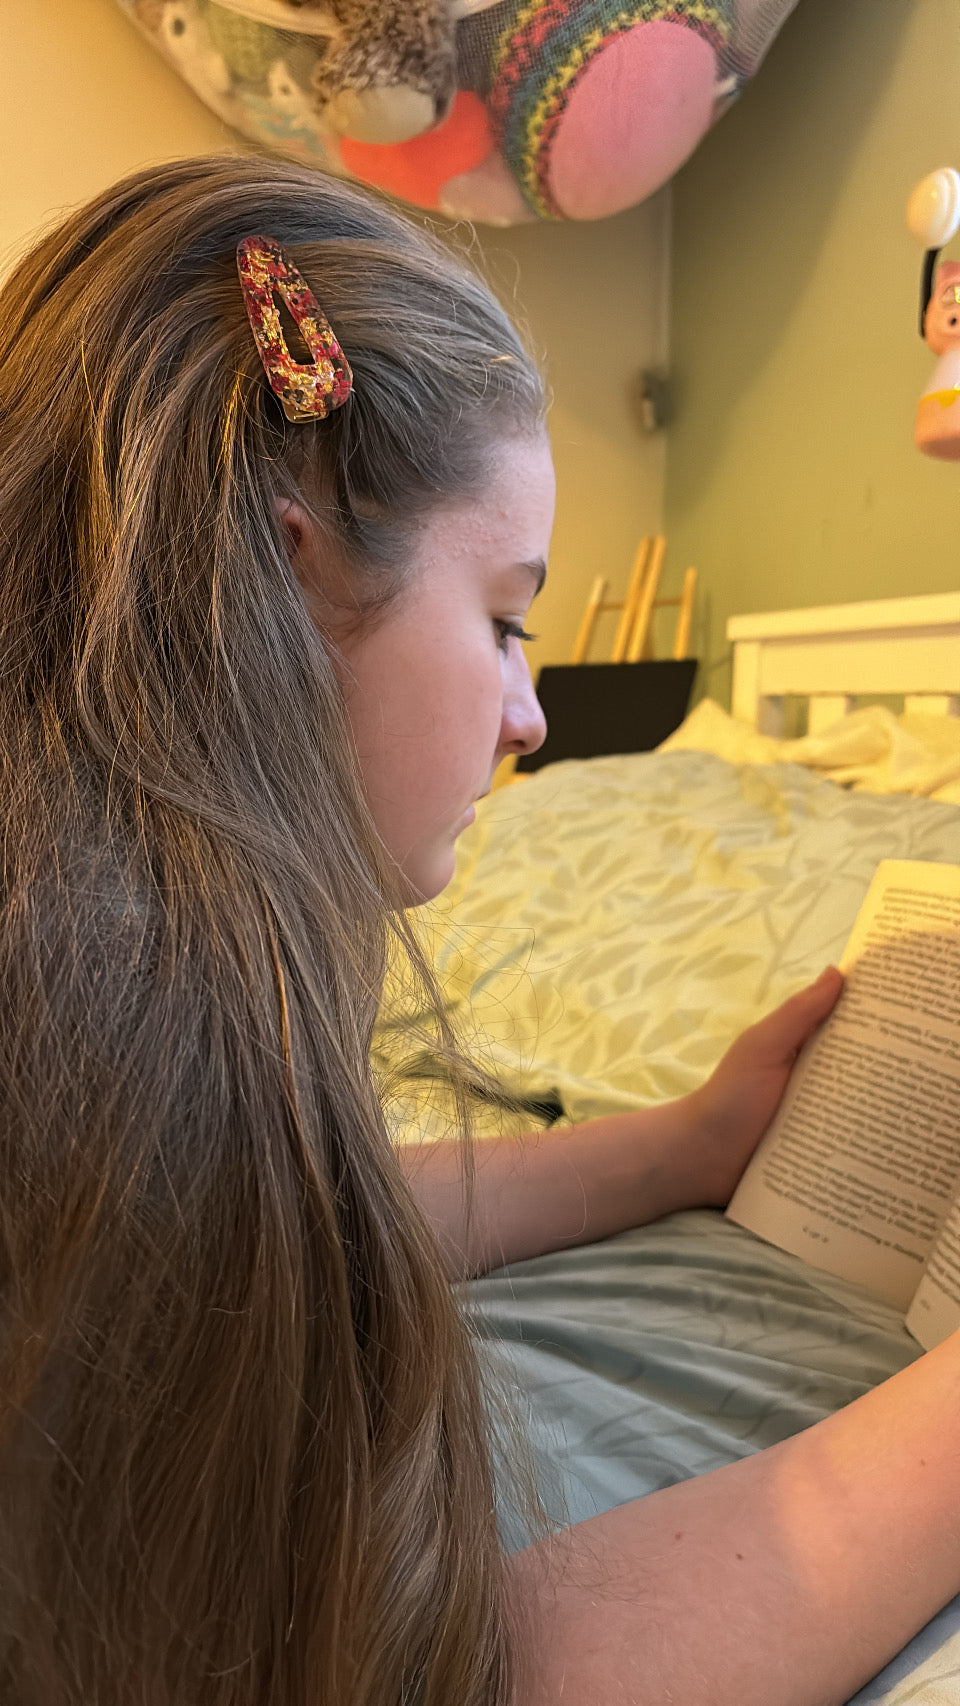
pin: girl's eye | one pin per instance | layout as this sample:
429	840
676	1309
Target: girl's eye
510	631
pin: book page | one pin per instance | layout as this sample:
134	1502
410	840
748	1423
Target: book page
935	1310
862	1160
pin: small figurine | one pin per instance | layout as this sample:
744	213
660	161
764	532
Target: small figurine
933	216
938	413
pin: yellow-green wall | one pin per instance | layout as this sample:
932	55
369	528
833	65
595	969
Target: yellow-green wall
595	298
85	99
791	474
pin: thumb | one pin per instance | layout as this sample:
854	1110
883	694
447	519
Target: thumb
778	1038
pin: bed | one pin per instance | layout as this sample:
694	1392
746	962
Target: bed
612	925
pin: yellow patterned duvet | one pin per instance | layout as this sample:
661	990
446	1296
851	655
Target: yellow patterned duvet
613	923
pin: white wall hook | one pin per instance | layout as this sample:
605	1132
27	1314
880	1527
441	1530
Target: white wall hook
933	210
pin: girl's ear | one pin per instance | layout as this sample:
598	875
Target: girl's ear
294	525
328	590
302	547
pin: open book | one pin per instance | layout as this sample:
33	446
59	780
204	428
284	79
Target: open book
859	1172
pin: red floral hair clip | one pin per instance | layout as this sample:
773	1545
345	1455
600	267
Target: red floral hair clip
306	391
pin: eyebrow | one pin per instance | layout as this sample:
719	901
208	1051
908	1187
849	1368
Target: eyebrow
537	570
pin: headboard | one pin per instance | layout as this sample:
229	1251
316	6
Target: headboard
908	646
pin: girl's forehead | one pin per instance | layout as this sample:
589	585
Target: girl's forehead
512	513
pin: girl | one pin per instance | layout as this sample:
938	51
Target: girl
261	607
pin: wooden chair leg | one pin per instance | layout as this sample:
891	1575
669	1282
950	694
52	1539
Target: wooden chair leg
581	644
681	643
641	627
631	603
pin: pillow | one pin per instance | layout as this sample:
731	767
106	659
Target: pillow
870	749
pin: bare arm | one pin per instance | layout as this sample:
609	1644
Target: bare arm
550	1190
788	1579
554	1189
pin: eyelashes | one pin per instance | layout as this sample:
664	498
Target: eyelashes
510	631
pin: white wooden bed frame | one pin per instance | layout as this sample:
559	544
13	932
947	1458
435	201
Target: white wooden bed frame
908	646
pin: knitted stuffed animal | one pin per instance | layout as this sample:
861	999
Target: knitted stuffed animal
495	110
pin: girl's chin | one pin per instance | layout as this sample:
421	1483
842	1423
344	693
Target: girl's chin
426	876
429	878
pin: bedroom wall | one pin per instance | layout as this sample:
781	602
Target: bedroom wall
83	99
791	474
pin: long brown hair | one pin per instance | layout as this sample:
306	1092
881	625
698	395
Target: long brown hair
242	1437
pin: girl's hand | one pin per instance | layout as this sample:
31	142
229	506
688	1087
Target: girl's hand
733	1109
551	1190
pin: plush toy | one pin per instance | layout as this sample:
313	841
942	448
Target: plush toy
933	216
495	110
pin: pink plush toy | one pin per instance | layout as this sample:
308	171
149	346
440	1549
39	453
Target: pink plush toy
495	110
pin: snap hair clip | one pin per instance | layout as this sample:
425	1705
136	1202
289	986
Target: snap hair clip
307	391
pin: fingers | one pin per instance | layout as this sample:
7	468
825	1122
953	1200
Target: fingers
821	995
783	1032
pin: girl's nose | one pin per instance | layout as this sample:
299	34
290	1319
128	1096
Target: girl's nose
524	726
